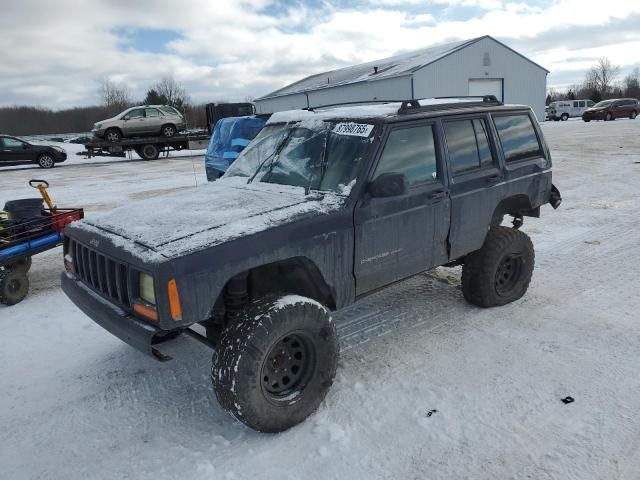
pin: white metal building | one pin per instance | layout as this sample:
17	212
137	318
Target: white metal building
479	66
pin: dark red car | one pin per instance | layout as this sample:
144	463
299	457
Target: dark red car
612	109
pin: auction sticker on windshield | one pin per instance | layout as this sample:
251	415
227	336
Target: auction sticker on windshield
353	129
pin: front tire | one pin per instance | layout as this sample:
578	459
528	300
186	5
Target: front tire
46	161
633	115
14	286
113	135
564	117
274	365
500	271
168	130
608	117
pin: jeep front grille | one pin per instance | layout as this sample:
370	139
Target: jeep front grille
104	275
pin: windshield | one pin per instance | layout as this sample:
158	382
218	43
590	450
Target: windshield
316	155
605	103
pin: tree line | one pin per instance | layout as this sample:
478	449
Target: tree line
114	97
601	82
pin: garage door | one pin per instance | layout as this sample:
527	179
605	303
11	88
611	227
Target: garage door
486	86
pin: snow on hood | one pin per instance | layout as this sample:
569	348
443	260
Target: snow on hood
189	220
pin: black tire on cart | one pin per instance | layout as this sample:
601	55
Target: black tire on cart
22	265
150	151
14	286
274	365
500	271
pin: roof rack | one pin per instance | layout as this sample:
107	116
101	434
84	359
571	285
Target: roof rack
412	106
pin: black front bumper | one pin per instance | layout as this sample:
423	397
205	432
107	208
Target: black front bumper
127	328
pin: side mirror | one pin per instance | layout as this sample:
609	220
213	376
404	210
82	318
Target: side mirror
388	185
126	117
25	146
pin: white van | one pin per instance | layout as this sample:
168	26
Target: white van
563	109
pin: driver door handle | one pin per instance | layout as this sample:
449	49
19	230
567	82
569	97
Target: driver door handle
438	195
494	179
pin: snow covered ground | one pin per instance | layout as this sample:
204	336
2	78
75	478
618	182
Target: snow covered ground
428	386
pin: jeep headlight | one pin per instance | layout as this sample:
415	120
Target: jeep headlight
146	288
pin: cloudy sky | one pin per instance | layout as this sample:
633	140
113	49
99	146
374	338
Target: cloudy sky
54	53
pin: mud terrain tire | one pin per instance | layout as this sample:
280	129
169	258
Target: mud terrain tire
500	271
275	364
14	286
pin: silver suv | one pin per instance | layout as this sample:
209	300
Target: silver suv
141	121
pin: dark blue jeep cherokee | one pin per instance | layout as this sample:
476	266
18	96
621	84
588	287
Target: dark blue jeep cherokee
323	207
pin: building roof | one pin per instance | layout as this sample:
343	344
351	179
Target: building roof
396	66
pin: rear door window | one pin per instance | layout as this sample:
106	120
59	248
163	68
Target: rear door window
468	145
410	151
518	137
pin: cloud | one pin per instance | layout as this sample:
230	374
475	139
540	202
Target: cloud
234	49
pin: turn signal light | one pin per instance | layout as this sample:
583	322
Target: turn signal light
68	263
174	300
145	311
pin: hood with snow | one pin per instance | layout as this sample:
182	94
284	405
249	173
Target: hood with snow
186	221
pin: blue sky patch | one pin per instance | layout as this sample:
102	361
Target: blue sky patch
146	40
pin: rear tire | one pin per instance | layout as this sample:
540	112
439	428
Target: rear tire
14	286
608	117
274	365
149	151
633	115
46	161
500	271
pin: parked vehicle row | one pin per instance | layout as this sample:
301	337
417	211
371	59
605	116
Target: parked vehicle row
565	109
611	109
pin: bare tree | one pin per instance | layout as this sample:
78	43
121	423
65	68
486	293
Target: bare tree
114	95
173	92
631	84
602	76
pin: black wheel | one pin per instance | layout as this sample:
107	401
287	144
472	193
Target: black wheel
564	117
586	120
149	151
633	115
22	265
275	364
14	286
608	117
500	272
556	119
46	161
112	135
168	130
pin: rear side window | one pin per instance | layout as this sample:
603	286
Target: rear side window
468	145
169	110
153	112
518	137
410	151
